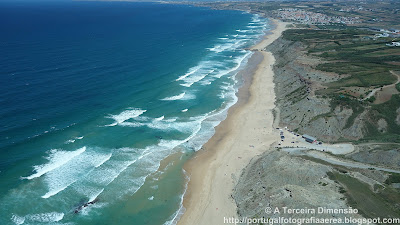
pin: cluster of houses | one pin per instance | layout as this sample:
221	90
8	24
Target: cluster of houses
308	17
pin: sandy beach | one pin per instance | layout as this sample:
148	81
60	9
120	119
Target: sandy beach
245	133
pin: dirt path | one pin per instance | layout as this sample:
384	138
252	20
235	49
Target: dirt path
336	161
377	143
373	92
298	146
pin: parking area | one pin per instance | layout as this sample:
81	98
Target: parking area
291	139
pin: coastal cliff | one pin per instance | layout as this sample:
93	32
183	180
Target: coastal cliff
298	107
313	100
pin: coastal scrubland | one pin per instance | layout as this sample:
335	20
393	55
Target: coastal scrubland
350	77
360	65
338	82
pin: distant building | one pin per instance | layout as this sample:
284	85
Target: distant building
382	35
397	44
309	139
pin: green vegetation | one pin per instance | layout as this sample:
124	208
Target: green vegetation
345	102
312	36
297	94
350	52
362	74
393	178
333	26
386	111
350	103
398	86
359	195
372	99
361	63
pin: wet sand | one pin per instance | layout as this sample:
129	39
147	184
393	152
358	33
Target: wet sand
245	133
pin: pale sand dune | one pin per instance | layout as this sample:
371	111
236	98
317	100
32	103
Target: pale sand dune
245	133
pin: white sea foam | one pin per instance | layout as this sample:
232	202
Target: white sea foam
238	61
45	217
17	219
64	176
126	115
70	141
159	118
100	180
104	160
227	91
177	125
48	218
118	165
170	120
177	215
200	126
145	164
189	81
56	160
242	36
73	140
175	97
228	46
132	124
191	71
91	199
208	82
56	191
126	184
107	175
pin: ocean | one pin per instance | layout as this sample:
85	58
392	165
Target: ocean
101	104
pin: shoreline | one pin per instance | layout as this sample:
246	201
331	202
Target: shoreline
245	133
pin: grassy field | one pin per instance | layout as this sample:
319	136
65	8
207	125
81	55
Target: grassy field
350	52
347	102
387	111
383	203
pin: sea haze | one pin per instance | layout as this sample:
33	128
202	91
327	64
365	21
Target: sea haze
102	102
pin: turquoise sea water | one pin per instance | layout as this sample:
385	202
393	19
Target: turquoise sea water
102	102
